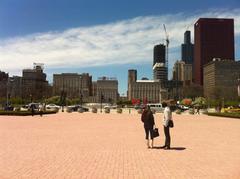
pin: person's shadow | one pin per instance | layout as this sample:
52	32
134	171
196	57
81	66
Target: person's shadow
172	148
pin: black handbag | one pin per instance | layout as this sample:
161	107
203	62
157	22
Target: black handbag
155	133
170	124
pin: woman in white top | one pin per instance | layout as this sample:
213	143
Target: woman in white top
167	115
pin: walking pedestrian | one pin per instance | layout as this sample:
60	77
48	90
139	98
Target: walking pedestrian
32	109
167	116
41	107
198	109
148	120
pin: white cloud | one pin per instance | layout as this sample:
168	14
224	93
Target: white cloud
122	42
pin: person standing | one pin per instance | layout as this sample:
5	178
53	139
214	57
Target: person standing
167	116
41	108
148	120
32	109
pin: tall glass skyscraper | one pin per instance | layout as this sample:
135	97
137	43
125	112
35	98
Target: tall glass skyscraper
187	48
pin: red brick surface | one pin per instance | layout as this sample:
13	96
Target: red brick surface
101	146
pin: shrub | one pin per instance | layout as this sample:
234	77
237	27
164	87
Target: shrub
140	111
24	113
119	110
178	111
186	102
191	111
94	110
203	111
231	115
107	110
80	110
69	110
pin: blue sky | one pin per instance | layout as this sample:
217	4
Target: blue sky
100	37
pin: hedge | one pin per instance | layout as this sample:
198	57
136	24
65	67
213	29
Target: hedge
231	115
24	113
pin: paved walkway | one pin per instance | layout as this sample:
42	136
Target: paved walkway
112	146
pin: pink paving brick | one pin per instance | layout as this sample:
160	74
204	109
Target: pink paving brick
74	145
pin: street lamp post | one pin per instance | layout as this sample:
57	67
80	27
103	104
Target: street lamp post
62	98
101	100
239	86
7	94
31	99
81	95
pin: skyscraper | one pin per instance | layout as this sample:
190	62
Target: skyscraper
159	63
3	84
214	38
187	48
159	54
132	77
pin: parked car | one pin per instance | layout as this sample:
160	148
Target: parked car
182	107
35	106
8	108
110	107
52	106
76	107
24	108
157	107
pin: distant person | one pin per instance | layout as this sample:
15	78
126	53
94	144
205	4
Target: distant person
198	110
32	109
41	108
167	116
148	120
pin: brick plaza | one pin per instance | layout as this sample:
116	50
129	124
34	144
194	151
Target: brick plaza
87	145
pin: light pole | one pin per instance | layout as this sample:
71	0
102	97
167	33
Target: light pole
62	98
31	98
81	95
239	86
101	99
7	92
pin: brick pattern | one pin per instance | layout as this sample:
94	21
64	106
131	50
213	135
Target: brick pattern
87	145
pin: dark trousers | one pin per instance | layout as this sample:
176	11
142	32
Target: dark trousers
32	111
147	131
167	137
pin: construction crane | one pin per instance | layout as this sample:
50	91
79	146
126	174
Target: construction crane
167	43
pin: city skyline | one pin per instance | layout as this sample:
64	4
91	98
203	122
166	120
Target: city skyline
103	48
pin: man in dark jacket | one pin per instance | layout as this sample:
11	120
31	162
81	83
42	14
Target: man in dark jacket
148	120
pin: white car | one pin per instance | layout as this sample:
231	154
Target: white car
157	107
110	107
52	106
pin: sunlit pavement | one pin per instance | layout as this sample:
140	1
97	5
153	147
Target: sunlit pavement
87	145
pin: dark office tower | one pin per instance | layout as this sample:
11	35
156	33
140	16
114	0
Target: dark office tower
187	48
159	52
3	84
214	38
